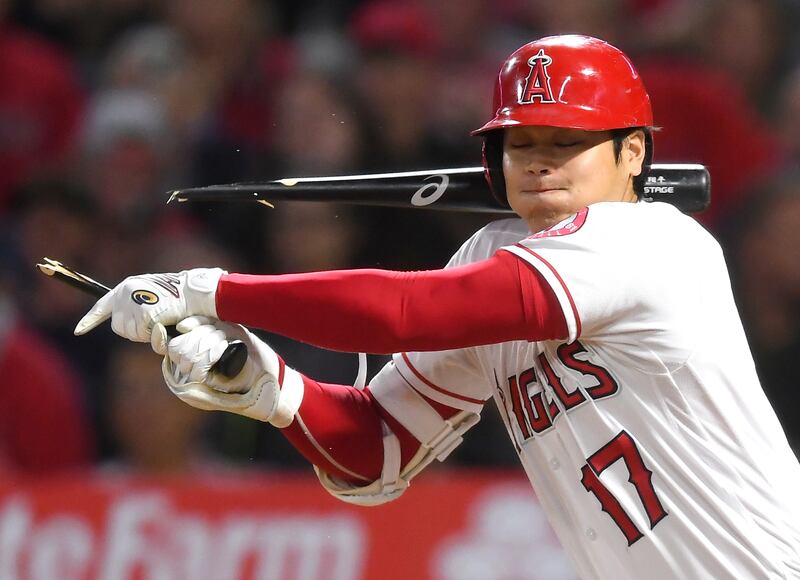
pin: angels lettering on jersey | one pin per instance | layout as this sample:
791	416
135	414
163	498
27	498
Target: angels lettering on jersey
537	395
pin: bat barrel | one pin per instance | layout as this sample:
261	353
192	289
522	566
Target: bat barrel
687	186
448	189
461	189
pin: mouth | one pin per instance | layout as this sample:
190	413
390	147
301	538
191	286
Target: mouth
541	190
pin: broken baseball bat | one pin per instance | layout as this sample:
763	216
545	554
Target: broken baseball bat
687	186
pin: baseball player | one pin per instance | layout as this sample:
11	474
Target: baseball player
603	327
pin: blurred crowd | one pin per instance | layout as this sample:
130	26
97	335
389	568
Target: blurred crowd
105	105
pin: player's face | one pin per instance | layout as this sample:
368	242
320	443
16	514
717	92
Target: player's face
552	172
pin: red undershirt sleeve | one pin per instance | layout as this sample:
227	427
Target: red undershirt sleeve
382	311
338	429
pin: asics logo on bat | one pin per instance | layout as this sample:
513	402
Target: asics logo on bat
420	199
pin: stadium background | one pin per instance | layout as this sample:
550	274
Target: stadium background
105	105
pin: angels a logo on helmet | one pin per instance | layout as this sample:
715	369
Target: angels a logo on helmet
537	84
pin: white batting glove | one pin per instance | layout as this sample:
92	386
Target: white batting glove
138	303
256	392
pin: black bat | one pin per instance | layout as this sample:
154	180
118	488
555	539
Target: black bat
686	186
229	364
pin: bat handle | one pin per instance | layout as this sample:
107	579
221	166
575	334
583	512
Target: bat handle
232	360
229	364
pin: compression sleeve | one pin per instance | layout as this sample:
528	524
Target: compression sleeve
383	311
338	429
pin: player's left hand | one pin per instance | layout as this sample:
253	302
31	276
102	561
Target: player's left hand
139	303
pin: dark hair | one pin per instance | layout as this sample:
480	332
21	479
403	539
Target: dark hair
618	136
53	190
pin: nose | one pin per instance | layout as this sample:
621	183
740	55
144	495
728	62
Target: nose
540	159
540	164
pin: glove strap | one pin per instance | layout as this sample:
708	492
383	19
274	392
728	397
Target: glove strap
201	290
290	396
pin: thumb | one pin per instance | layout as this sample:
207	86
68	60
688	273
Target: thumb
192	322
159	339
100	312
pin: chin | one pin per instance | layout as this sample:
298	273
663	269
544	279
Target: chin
541	205
541	216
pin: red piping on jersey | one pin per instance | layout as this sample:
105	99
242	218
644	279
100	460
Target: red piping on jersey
281	371
437	388
445	411
570	228
563	285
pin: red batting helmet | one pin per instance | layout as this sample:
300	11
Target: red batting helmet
570	81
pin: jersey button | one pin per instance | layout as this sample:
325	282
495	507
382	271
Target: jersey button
591	534
555	463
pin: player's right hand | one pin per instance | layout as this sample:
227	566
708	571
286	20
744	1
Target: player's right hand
265	389
139	303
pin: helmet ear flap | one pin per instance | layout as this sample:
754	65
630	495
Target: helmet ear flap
493	165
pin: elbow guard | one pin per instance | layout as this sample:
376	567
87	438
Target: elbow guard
438	438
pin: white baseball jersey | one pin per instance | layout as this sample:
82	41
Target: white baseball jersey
645	434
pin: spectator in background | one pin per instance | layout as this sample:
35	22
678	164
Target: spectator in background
128	150
308	237
52	217
214	67
713	66
767	279
786	119
398	45
457	28
318	129
41	104
749	41
44	426
471	38
394	77
144	59
220	99
705	118
83	28
466	49
604	19
57	218
665	25
128	157
154	433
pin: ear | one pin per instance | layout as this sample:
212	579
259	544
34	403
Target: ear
633	152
